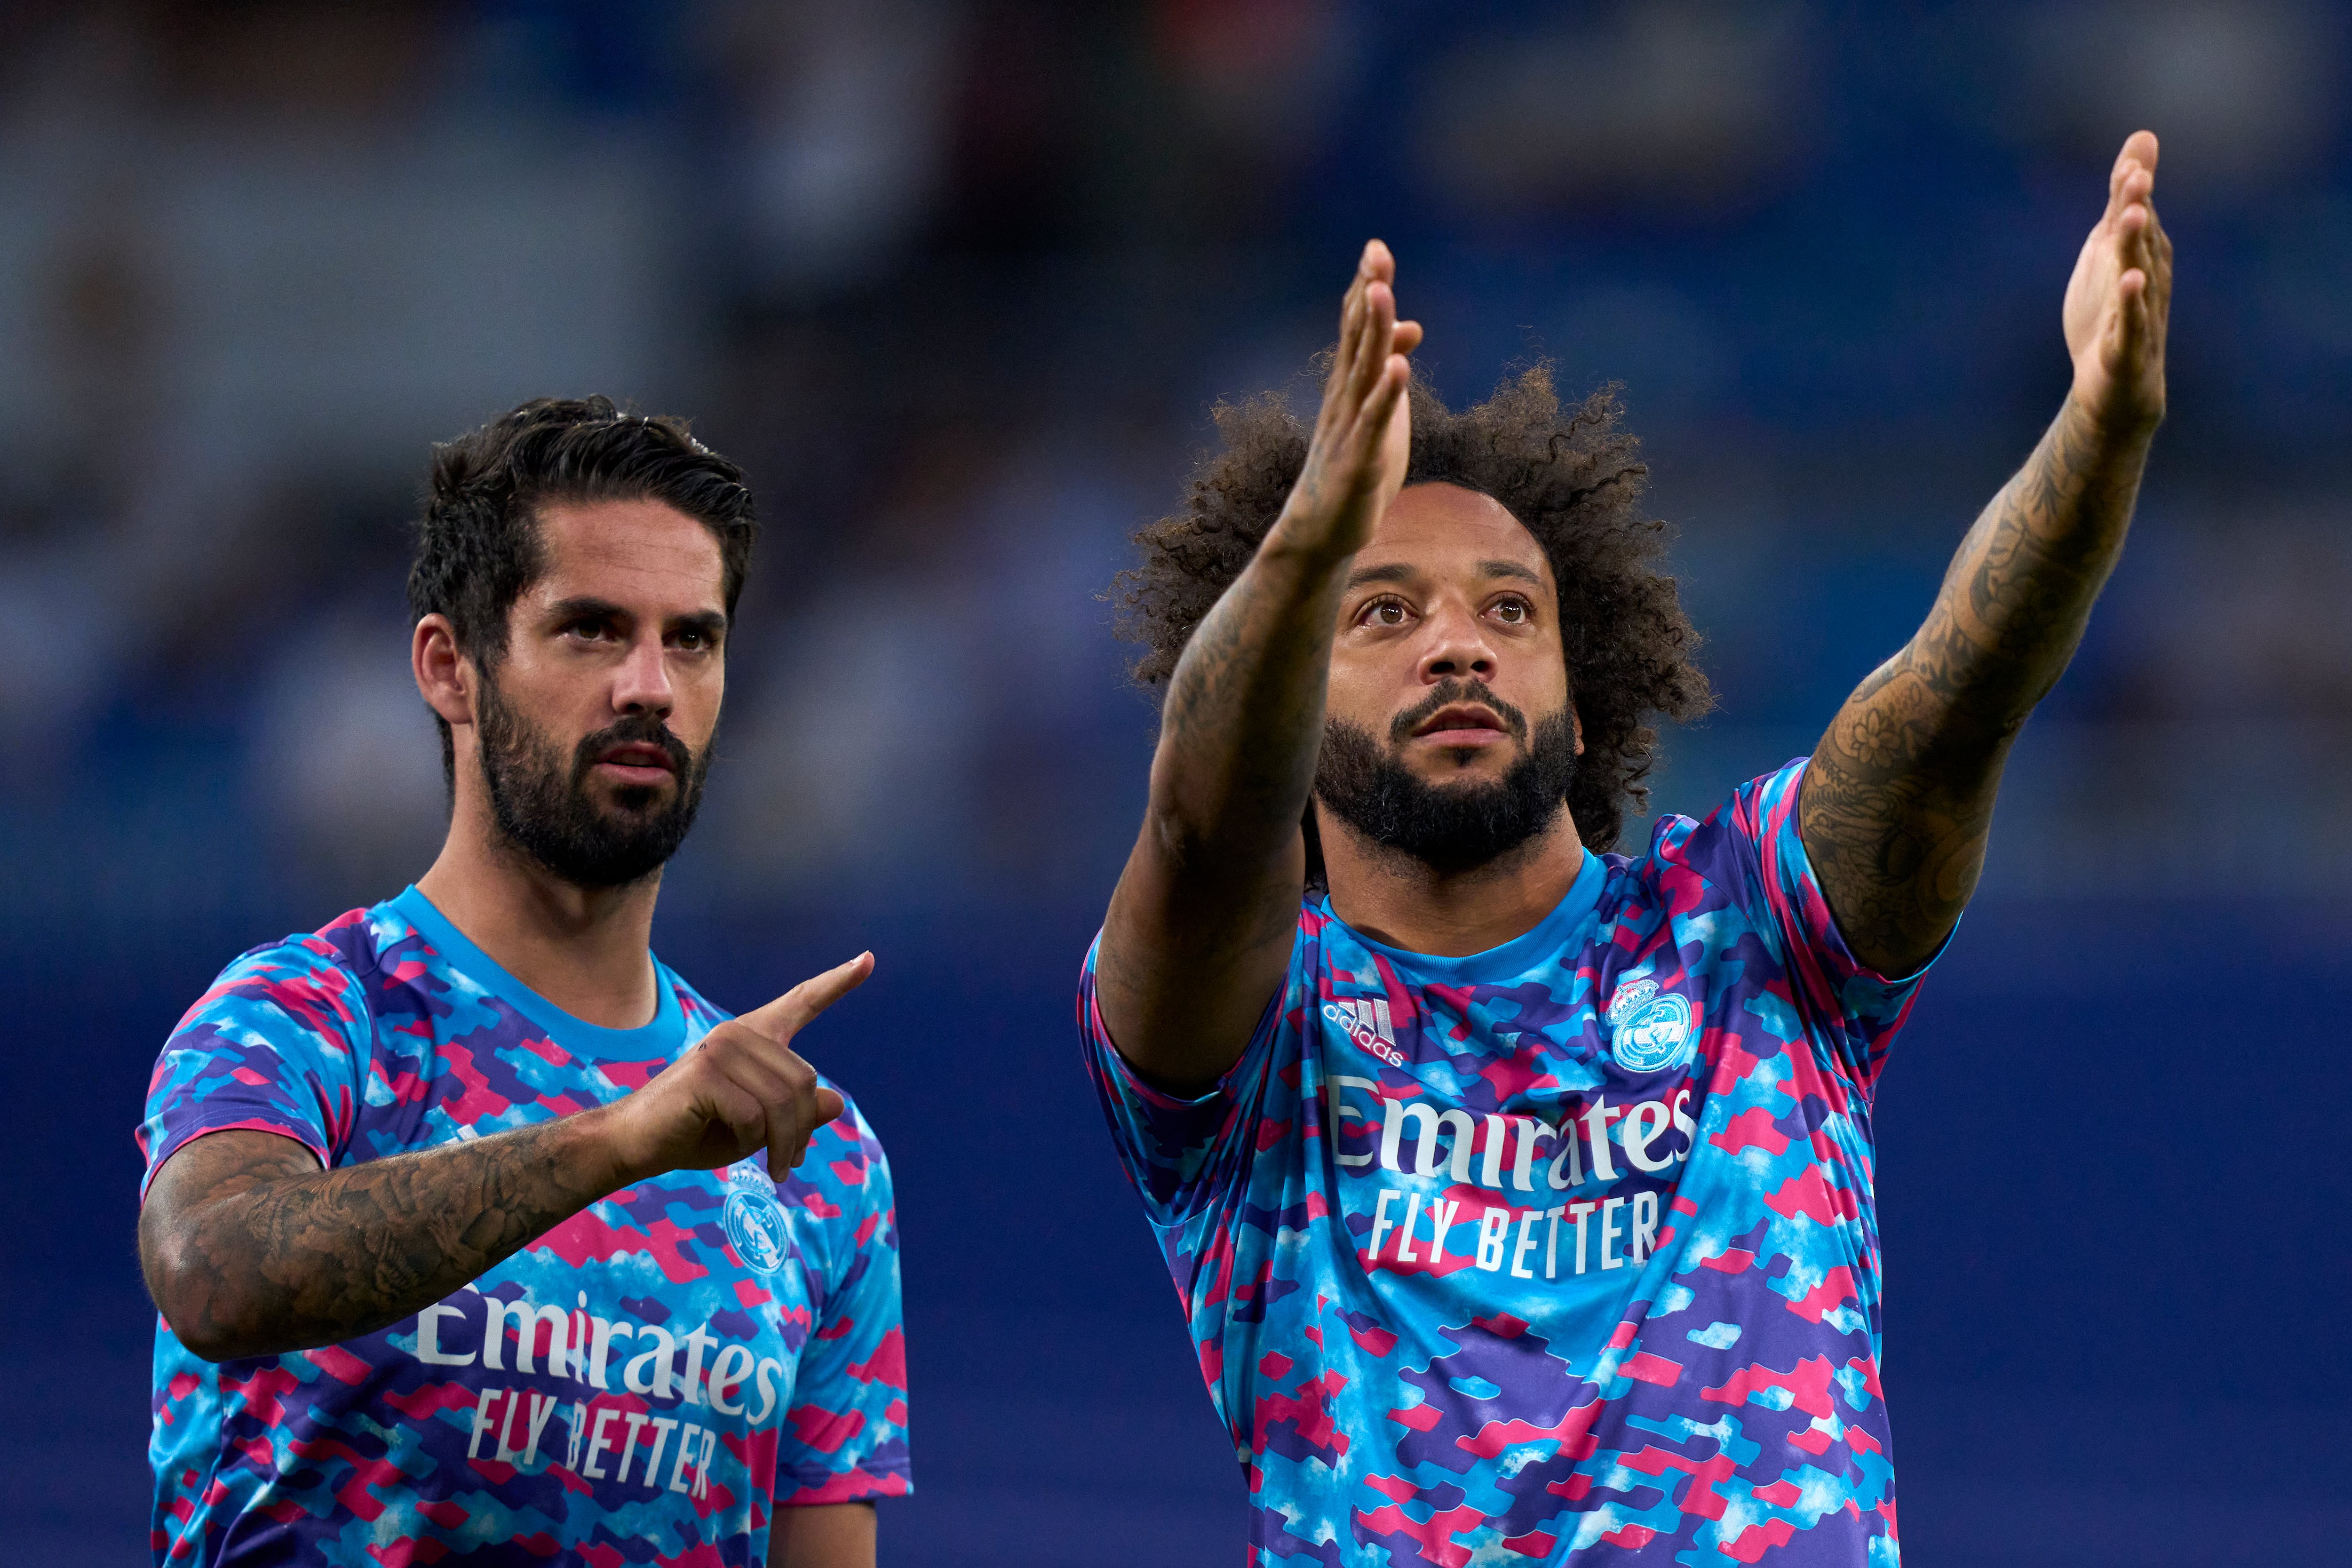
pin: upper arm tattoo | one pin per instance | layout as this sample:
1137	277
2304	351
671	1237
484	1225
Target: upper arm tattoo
1897	801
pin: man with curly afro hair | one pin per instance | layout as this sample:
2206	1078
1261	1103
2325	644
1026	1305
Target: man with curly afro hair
1518	1191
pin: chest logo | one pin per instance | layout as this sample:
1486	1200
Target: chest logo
754	1221
1365	1020
1649	1032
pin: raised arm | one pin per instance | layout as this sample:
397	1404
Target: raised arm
1199	930
250	1248
1898	797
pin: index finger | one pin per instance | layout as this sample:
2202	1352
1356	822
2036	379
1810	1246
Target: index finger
789	1014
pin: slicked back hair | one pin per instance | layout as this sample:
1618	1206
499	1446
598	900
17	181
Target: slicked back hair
1569	475
478	543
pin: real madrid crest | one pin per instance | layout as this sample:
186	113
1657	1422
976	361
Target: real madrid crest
1649	1031
754	1220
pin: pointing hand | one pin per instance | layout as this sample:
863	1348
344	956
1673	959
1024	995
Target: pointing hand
741	1089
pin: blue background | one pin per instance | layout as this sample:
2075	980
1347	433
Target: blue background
959	283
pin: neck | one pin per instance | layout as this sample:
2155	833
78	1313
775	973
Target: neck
586	950
1395	899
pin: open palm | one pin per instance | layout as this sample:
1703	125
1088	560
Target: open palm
2118	300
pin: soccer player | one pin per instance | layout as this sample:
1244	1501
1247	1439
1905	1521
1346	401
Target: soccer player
1519	1193
475	1229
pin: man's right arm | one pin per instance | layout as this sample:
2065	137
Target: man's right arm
1201	927
250	1248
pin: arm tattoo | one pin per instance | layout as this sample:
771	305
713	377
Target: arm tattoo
1247	701
1177	972
249	1250
1897	801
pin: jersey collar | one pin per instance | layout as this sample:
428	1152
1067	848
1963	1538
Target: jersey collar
1538	943
657	1039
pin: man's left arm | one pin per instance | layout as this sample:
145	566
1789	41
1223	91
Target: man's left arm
831	1535
1898	799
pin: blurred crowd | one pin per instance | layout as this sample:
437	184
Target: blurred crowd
959	283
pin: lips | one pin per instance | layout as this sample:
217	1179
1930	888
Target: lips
1463	714
1458	718
635	754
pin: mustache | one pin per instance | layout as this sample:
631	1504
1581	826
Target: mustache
637	728
1452	691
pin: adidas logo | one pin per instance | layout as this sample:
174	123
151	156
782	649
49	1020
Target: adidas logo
1365	1020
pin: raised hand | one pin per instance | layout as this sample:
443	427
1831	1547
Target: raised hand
1898	795
1356	463
2119	299
741	1090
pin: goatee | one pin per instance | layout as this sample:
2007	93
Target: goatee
1450	828
539	798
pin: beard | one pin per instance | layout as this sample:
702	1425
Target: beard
539	798
1450	828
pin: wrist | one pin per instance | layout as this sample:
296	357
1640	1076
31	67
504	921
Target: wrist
1306	548
596	1154
2116	430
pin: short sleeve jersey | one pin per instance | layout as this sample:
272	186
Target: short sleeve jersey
641	1384
1563	1252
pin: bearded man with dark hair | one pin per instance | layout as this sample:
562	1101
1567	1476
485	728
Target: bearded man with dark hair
1519	1192
456	1210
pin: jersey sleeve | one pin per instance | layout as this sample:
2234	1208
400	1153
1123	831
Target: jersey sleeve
279	1044
844	1434
1180	1153
1853	1011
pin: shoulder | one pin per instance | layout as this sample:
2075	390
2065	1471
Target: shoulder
842	1188
1723	849
1325	950
849	1137
316	978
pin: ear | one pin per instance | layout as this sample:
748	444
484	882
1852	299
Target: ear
445	677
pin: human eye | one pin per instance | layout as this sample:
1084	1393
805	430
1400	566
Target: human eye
587	628
1513	610
1384	612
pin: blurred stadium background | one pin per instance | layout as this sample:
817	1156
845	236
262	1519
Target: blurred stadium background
960	280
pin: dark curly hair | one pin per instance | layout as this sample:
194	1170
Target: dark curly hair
1569	475
478	536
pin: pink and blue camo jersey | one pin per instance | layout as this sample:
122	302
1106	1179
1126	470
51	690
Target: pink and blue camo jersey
641	1385
1563	1252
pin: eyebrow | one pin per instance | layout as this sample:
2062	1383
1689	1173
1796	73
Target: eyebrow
583	610
710	623
1399	571
1394	572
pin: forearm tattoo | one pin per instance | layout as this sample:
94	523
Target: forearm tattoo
249	1250
1239	736
1897	801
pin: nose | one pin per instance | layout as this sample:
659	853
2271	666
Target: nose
1456	647
641	684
